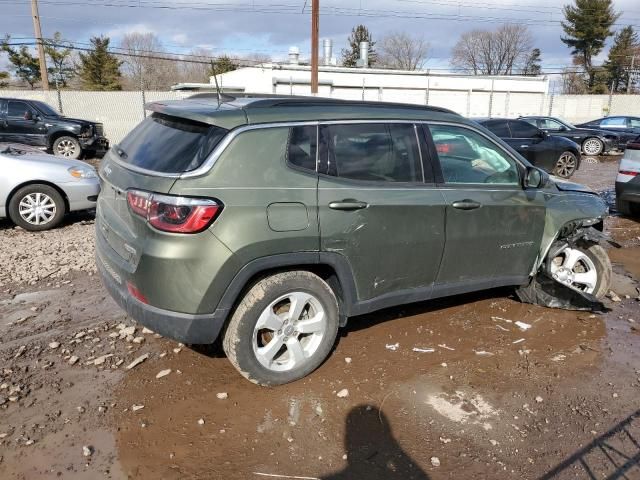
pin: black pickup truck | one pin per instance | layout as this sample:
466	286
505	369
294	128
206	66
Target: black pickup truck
32	122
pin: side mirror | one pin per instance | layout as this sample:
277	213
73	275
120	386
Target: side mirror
535	178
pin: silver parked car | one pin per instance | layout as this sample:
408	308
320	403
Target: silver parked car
37	189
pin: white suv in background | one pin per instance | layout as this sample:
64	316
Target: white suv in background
628	180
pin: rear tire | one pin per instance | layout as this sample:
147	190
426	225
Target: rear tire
36	207
67	147
268	343
566	165
593	147
627	209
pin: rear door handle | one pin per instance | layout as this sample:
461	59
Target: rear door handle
466	204
348	205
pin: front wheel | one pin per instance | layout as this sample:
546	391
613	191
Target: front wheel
566	165
585	267
67	147
283	328
36	207
593	147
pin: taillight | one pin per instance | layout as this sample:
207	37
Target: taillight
628	172
173	214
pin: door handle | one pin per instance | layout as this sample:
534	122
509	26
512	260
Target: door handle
348	205
466	204
524	146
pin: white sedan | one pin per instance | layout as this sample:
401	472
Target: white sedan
37	189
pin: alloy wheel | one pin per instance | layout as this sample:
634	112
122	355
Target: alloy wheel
592	146
66	148
37	208
573	268
289	331
566	165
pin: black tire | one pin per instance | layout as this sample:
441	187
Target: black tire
566	165
627	208
67	147
20	197
599	257
593	152
240	334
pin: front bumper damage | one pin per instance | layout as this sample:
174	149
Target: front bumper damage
545	291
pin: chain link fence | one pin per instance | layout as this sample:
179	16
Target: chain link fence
119	112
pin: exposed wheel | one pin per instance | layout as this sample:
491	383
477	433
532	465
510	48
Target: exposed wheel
593	146
566	165
283	328
586	268
67	147
36	207
627	208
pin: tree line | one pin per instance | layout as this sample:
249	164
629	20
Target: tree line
142	63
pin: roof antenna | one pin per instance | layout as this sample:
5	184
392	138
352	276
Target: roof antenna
215	78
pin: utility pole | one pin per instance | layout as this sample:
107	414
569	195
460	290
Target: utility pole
38	31
631	74
315	27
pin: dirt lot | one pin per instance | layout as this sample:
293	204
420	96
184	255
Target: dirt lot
558	400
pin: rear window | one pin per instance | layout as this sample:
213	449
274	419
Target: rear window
169	144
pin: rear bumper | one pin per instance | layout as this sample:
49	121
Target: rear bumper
183	327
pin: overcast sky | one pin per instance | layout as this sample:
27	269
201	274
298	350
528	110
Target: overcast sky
240	27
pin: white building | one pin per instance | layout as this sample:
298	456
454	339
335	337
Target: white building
472	96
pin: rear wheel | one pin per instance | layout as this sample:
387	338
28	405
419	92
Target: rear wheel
36	207
592	146
283	328
67	147
566	165
627	208
585	267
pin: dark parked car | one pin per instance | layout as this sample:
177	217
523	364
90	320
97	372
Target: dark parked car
35	123
627	128
271	221
556	155
592	140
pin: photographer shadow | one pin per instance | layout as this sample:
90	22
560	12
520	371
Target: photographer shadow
372	451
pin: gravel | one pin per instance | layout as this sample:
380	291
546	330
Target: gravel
50	255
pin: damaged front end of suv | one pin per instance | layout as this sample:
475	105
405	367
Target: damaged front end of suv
573	270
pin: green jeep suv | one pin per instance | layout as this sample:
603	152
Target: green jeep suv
270	221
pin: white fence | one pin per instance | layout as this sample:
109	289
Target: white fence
121	111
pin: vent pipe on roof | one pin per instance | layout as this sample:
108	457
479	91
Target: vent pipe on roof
294	55
327	47
363	61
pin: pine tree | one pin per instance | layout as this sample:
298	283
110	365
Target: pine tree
59	52
626	44
532	66
350	55
587	26
25	65
222	65
99	69
4	77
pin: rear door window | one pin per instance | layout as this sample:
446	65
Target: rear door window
166	144
521	129
614	122
301	149
378	152
467	156
498	127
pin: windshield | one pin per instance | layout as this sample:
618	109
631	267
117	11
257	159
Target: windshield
45	109
169	144
566	124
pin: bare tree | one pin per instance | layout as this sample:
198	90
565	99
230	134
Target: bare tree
191	72
498	52
146	65
403	51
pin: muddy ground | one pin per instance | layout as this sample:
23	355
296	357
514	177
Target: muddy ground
557	400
